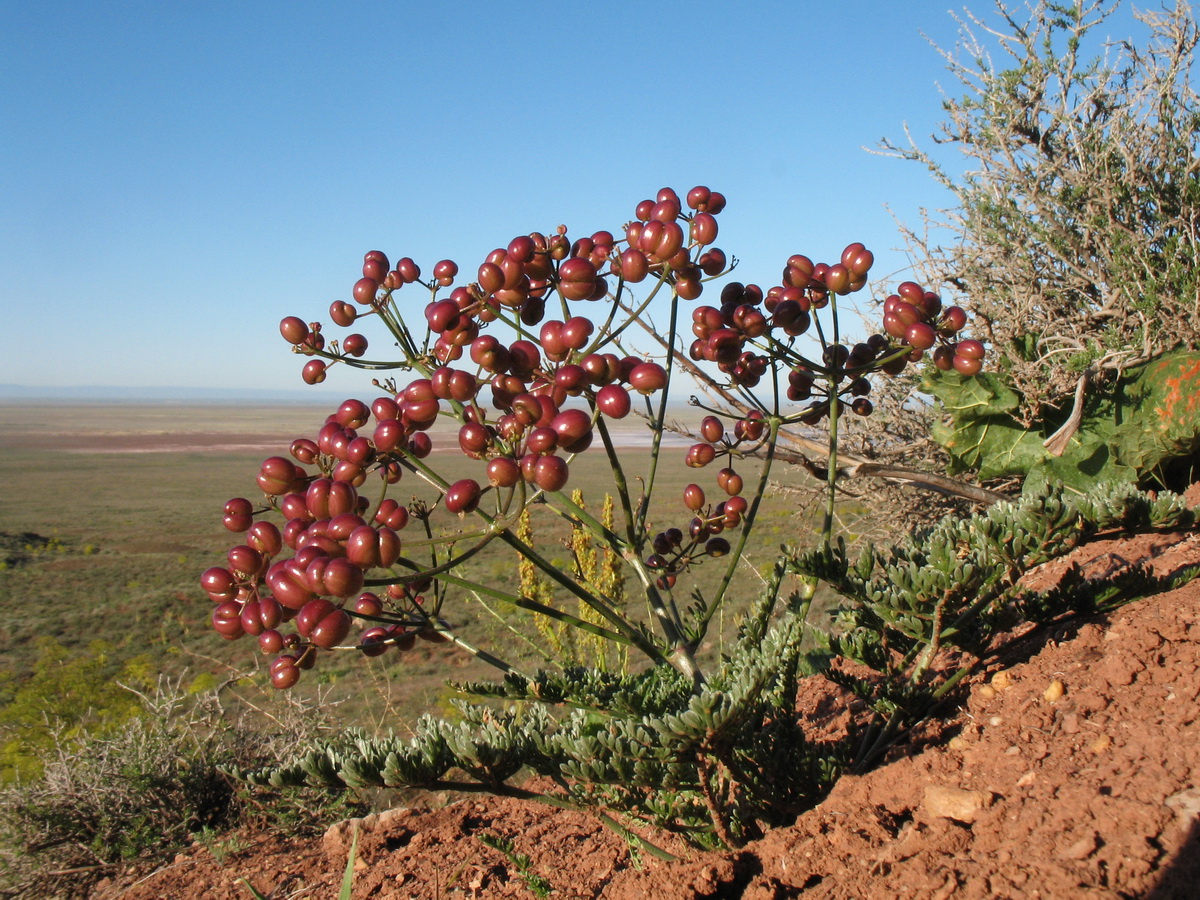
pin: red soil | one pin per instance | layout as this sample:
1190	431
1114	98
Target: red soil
1094	793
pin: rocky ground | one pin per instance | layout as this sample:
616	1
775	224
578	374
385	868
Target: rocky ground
1072	771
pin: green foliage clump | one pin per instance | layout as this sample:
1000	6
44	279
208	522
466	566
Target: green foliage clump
137	787
955	586
1074	234
716	764
647	744
1147	424
68	694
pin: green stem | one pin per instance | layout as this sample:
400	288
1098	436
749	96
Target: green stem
622	485
533	606
747	526
481	655
832	471
636	637
576	513
658	420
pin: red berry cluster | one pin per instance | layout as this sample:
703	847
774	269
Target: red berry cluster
524	405
333	545
915	317
676	549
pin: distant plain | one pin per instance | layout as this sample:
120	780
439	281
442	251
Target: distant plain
130	498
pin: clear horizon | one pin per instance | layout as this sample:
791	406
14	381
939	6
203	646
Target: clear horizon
177	178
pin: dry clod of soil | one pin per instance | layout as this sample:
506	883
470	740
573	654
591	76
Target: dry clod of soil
1090	789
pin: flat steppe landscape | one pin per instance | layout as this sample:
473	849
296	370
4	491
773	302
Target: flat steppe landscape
110	512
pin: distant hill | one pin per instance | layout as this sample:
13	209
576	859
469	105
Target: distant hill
19	393
315	396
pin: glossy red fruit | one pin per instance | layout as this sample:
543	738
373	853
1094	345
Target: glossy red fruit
368	604
219	583
270	641
342	313
634	266
304	450
648	377
711	429
697	197
730	482
443	315
688	287
524	358
751	427
574	429
542	440
970	349
954	319
445	271
293	329
365	290
699	456
577	278
550	473
943	358
331	630
837	279
693	497
704	228
576	331
735	508
967	365
408	270
276	475
227	620
284	672
503	471
352	414
245	561
613	401
463	496
287	584
313	372
920	335
371	641
911	291
420	445
311	613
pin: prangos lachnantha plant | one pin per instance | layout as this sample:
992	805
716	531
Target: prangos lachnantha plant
530	365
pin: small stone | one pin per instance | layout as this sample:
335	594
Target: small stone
959	743
1054	692
985	692
945	802
996	720
1186	803
1027	779
1081	849
1100	744
1001	680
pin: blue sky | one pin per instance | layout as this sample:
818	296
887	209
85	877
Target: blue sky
175	177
